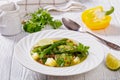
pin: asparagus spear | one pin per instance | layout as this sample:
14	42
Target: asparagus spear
48	50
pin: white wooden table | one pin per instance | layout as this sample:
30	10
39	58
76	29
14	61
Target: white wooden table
10	69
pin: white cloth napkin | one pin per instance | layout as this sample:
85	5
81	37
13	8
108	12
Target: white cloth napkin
29	6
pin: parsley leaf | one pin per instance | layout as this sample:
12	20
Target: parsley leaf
83	49
39	20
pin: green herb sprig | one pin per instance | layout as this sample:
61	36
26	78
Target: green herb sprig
39	20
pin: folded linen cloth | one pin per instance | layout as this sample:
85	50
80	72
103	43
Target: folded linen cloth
71	5
28	6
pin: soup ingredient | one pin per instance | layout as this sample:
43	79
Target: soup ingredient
112	62
35	56
50	62
44	42
39	20
76	60
48	50
96	18
60	53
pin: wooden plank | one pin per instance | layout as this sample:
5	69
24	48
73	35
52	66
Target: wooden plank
6	51
10	69
18	72
113	34
75	77
102	73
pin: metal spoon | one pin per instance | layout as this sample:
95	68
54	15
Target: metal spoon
76	27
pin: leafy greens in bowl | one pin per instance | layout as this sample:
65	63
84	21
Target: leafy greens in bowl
59	52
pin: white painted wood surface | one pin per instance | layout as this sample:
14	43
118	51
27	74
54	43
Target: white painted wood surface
10	69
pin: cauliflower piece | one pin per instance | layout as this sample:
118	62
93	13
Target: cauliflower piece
35	56
76	60
50	62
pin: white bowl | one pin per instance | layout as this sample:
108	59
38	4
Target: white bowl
95	57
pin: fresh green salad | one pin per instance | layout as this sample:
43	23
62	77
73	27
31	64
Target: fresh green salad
59	53
39	19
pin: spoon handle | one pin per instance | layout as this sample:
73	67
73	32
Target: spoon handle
110	44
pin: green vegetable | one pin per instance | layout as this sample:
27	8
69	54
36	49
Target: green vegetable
55	24
63	47
39	20
63	59
109	11
64	52
44	60
82	49
60	62
37	49
40	48
48	50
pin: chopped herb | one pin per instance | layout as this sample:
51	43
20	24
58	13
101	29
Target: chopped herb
39	20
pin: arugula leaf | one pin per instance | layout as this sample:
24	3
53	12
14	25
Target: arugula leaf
39	20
